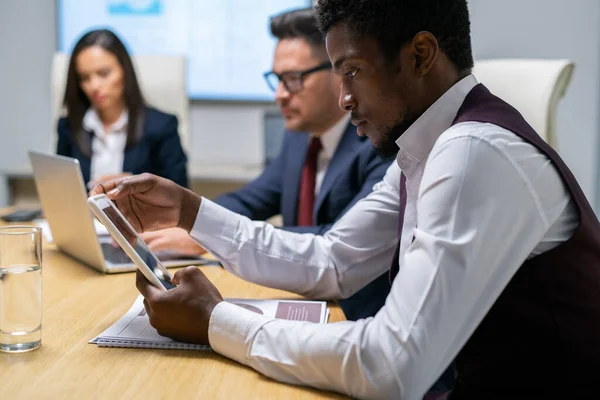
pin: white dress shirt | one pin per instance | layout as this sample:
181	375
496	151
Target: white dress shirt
480	202
108	148
329	140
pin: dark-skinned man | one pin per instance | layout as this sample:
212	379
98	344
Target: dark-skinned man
498	263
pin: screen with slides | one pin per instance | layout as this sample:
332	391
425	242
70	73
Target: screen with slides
227	42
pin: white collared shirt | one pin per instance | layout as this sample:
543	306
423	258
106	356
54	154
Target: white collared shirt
330	140
108	148
480	202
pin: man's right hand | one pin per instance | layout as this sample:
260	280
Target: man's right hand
151	203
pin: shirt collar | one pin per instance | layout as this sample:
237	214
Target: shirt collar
331	137
92	122
418	140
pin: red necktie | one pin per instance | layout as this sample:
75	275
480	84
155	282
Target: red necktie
306	202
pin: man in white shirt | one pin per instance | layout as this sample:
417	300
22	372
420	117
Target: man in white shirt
497	265
323	168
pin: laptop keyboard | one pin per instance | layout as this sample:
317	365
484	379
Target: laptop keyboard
115	255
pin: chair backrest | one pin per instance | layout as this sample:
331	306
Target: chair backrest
161	78
532	86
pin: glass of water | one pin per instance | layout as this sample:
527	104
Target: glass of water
20	288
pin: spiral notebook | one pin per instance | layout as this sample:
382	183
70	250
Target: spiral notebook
133	330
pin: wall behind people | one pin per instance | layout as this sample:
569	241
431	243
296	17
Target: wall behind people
229	132
27	42
553	29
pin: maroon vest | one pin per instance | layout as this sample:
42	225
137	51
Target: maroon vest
542	335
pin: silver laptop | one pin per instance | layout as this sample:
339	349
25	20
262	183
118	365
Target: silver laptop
63	197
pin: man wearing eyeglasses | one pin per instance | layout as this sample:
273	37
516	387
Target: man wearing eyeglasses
324	167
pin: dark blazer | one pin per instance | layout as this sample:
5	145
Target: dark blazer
157	151
353	170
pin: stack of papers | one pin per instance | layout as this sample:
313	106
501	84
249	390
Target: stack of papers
134	329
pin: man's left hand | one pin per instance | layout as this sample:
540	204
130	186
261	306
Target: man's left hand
182	313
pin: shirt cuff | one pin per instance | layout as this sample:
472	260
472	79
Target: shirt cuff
215	229
231	330
209	220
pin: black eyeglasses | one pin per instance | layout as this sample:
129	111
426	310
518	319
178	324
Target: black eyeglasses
293	81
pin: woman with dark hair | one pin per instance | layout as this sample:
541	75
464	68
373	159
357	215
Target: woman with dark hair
108	127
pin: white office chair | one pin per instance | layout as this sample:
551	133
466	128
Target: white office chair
162	80
532	86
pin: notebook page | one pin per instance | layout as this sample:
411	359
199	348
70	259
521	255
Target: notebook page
134	326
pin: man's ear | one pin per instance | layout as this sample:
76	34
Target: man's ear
425	49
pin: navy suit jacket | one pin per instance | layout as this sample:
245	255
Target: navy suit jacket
353	170
158	150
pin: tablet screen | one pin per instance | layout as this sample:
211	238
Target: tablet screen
139	246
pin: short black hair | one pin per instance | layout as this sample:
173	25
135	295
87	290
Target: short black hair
299	23
394	23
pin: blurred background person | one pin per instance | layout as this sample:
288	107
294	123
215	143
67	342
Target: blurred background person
108	126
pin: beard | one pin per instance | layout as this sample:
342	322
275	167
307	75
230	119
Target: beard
388	149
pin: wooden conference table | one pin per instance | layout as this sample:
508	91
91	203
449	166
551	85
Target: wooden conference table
79	303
